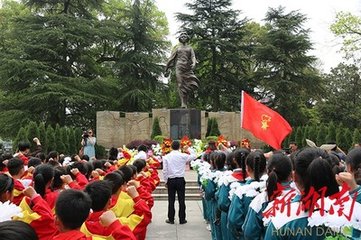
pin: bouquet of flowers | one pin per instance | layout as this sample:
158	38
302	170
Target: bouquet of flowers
245	143
9	210
157	150
198	147
185	142
166	146
222	141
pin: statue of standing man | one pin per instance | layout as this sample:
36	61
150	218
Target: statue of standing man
184	60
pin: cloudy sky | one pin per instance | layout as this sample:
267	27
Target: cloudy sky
321	14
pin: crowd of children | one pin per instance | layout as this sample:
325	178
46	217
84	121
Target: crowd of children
56	197
247	194
309	194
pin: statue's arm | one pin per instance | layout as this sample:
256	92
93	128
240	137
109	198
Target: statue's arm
193	58
171	60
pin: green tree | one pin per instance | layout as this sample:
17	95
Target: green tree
32	132
340	134
209	126
321	135
135	50
217	33
344	138
299	137
156	131
306	131
47	67
50	136
356	136
11	121
72	141
78	133
60	146
20	137
293	134
214	128
342	104
286	141
312	134
331	135
348	27
65	139
285	72
347	137
100	151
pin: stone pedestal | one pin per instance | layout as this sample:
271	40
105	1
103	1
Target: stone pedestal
185	122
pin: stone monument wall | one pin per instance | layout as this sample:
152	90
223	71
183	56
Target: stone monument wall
114	131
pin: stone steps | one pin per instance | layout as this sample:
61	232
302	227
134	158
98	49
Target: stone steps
192	192
189	197
189	189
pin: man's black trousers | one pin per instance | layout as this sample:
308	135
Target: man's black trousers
176	185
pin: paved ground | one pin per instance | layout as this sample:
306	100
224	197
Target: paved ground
195	229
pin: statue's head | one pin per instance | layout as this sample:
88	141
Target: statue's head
183	37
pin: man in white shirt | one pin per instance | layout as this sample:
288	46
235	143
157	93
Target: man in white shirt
174	164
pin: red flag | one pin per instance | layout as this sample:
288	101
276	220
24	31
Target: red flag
264	123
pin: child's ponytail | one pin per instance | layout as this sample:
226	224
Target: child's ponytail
271	185
240	156
39	184
43	176
279	170
321	178
256	161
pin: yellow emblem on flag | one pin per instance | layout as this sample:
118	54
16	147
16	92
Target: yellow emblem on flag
265	120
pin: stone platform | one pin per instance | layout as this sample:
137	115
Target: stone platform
115	129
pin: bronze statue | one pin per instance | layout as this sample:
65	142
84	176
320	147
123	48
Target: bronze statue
184	60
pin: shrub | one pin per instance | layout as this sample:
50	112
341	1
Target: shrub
21	136
32	132
356	137
209	126
156	131
100	151
42	136
159	139
60	145
214	138
214	128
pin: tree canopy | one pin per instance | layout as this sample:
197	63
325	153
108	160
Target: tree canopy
61	61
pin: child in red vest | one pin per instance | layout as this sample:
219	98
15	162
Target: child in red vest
72	209
100	193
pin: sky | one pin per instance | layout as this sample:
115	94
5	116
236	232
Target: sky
320	13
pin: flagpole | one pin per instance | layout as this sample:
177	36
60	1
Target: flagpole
242	106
